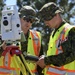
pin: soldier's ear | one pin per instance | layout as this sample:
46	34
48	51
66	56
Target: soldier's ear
57	15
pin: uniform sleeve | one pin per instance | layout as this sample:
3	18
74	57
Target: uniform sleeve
41	48
68	54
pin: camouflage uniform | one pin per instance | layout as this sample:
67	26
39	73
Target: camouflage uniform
47	12
27	11
30	13
69	51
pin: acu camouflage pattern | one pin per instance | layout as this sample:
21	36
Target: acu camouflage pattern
48	11
68	54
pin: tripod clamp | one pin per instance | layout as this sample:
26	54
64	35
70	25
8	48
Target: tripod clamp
12	50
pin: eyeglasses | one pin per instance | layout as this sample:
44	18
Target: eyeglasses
28	19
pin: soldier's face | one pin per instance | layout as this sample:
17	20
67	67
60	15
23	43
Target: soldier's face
53	22
25	25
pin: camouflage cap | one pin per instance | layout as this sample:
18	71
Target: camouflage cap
27	11
49	10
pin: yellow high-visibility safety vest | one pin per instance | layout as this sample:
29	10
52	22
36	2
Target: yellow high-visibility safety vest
53	49
6	65
33	48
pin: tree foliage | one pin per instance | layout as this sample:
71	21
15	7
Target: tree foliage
1	5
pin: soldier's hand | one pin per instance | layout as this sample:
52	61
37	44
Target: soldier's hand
3	45
40	62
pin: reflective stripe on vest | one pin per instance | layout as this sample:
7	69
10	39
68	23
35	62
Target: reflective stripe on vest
7	60
6	67
7	71
55	48
34	44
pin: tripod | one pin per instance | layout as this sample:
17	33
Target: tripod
17	57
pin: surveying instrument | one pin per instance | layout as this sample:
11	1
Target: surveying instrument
11	33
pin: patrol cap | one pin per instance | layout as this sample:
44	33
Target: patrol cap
27	11
49	10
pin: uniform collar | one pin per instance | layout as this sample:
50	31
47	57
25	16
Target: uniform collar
62	23
58	27
27	35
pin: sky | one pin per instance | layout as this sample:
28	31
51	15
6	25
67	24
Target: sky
10	2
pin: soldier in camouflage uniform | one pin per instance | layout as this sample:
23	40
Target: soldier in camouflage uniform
60	59
33	38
